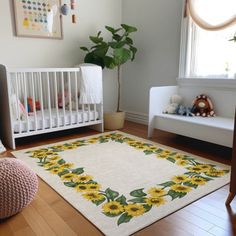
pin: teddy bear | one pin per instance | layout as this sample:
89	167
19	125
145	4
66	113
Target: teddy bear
175	101
202	106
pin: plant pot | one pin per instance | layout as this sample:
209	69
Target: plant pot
114	120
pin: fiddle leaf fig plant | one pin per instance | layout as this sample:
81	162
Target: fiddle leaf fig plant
112	53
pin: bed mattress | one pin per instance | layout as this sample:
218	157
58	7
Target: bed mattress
38	123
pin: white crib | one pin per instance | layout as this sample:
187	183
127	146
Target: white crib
41	100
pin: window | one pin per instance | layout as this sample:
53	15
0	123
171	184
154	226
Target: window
210	54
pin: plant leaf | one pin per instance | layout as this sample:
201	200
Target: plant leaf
84	49
112	30
121	55
138	193
109	62
128	28
129	40
124	218
96	39
111	194
134	51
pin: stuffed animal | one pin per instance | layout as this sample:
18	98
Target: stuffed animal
184	111
202	106
175	101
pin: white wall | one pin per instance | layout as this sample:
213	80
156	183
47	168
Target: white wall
27	52
158	43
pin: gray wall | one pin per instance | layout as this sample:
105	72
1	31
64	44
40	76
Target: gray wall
33	52
158	43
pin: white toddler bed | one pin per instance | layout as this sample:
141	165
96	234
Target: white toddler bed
42	100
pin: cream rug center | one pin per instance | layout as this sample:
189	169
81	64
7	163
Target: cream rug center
121	166
123	183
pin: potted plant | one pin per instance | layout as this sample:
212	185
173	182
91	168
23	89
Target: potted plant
112	54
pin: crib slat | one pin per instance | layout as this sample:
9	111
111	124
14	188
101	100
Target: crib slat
76	98
69	91
63	98
18	116
25	101
41	99
34	101
49	100
95	111
83	110
89	109
56	98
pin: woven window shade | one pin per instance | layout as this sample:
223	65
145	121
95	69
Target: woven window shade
193	9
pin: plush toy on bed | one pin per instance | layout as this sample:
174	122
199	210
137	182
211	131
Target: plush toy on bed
175	101
202	106
184	111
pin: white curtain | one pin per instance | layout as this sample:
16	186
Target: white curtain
212	14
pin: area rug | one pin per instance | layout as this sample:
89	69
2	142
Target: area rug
123	183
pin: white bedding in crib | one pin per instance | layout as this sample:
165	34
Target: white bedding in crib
67	119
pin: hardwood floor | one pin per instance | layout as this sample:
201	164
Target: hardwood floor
49	214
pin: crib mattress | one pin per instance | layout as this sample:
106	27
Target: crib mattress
56	121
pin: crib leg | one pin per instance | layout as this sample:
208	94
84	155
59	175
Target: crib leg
98	127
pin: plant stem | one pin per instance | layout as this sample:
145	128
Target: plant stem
118	80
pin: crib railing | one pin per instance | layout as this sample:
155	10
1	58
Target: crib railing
48	99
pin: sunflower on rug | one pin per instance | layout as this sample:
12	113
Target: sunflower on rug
123	208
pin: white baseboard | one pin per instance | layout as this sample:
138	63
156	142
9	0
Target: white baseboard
138	117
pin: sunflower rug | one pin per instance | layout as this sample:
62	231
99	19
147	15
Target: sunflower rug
122	183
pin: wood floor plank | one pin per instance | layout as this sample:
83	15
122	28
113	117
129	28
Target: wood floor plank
217	231
36	222
195	220
187	226
58	225
27	231
215	220
5	229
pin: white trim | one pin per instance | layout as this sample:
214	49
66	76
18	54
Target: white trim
183	43
138	117
229	84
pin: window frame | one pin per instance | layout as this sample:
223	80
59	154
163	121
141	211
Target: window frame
185	53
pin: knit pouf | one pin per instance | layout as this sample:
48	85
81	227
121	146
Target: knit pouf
18	186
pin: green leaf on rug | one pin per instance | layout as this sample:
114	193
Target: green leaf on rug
124	218
70	184
191	173
122	200
171	159
167	184
175	195
78	171
148	152
63	173
190	185
203	177
137	200
57	150
147	207
61	161
119	140
111	194
138	193
97	203
103	140
111	215
173	153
